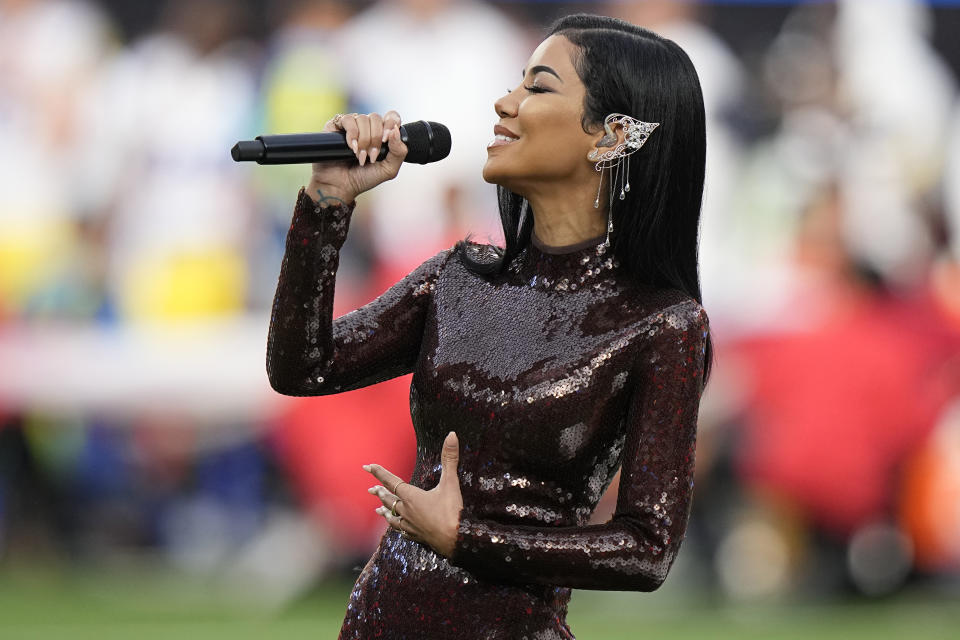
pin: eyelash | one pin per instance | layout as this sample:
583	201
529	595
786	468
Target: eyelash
533	89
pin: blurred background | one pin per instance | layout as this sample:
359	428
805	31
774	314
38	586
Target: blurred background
151	482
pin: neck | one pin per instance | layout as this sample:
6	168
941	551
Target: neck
565	216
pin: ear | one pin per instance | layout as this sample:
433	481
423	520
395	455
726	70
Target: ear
613	135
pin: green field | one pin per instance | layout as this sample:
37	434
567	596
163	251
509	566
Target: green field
49	603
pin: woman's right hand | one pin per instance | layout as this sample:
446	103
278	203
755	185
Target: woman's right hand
366	134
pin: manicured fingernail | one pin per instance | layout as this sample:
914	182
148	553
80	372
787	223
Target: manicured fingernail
353	143
386	134
373	154
363	157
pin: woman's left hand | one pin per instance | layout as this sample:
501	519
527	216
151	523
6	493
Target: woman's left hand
430	517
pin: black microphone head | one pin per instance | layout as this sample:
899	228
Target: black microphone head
426	141
247	150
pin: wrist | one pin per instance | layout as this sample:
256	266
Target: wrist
324	195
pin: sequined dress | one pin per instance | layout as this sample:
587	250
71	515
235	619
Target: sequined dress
553	375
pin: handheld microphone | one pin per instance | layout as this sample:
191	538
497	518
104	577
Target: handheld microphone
426	142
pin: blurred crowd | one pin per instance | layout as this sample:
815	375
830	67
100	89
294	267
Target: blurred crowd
138	264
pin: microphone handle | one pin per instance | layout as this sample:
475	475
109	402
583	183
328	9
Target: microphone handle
300	148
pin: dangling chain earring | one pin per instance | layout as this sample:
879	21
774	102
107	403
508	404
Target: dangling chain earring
636	133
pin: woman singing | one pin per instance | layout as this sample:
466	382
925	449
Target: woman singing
538	368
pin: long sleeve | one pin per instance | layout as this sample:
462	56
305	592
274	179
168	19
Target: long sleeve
636	548
308	352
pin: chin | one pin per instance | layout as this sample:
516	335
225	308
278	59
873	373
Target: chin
495	175
491	175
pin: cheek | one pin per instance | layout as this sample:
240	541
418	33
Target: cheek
557	134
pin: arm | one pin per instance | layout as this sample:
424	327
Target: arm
309	353
635	549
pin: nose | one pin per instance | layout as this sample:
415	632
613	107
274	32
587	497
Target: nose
506	106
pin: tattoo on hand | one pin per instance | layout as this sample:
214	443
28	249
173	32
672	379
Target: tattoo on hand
328	201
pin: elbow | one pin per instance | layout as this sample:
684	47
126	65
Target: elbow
281	384
651	583
652	569
288	384
284	382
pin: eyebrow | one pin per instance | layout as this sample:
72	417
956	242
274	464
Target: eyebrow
540	67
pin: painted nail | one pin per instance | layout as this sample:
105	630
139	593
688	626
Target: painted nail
373	154
363	157
353	143
386	134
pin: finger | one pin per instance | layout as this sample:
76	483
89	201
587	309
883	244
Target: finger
391	120
363	136
386	498
349	125
399	523
449	458
397	148
376	133
386	478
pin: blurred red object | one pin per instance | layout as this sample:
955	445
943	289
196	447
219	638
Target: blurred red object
323	441
835	410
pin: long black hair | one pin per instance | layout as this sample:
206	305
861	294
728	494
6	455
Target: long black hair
631	70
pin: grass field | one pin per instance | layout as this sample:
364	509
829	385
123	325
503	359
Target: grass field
46	604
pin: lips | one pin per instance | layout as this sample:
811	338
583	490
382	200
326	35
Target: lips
502	136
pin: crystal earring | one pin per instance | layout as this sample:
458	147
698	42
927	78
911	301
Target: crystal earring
606	241
596	202
636	133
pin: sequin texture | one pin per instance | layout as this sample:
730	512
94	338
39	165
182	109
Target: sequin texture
553	375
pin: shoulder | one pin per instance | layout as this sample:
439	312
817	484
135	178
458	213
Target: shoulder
477	252
684	314
652	306
682	327
673	338
478	257
667	319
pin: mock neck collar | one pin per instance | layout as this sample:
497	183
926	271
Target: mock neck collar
564	268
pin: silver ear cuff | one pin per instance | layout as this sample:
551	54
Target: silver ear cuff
636	133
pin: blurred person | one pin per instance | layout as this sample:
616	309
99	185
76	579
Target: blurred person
835	406
538	368
50	53
175	220
848	119
441	40
898	95
177	212
301	80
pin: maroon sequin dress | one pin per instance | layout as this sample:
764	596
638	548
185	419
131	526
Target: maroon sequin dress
552	375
